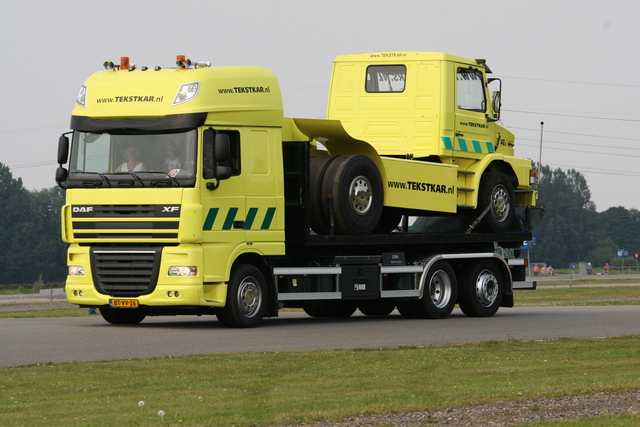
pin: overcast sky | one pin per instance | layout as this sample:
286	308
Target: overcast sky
568	63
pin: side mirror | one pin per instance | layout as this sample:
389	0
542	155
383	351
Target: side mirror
496	98
61	176
222	147
63	150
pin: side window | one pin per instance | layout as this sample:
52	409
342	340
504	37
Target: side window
234	155
386	78
470	89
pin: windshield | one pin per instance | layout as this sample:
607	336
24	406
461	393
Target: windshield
133	159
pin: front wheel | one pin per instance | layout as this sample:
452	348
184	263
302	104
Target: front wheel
482	290
246	298
496	196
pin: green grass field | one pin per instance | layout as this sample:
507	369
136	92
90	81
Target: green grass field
270	388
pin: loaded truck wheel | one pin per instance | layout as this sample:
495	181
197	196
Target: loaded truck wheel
481	290
246	298
376	307
496	193
357	195
122	316
440	293
389	220
319	217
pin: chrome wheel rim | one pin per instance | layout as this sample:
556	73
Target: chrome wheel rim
440	289
487	288
360	195
249	297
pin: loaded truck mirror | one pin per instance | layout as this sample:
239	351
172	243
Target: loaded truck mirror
63	150
496	103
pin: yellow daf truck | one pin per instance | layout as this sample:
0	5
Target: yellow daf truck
189	192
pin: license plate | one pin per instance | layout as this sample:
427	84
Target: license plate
124	303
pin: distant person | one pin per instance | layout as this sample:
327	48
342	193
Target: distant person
133	163
543	270
550	270
535	269
589	268
606	268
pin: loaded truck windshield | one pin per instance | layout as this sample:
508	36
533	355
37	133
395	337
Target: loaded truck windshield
140	158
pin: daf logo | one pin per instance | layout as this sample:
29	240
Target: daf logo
170	209
82	209
359	287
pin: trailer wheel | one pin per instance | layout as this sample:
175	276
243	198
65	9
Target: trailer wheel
318	216
246	298
481	290
357	195
122	316
496	193
376	307
440	292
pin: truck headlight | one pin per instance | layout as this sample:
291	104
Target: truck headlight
187	92
76	270
81	99
183	271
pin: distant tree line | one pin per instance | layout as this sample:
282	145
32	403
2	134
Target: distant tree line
32	248
572	231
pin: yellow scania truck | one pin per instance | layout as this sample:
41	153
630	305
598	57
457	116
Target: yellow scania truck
189	192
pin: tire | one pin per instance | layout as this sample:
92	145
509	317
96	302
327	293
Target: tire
440	292
406	309
331	309
376	308
122	316
319	217
389	220
246	298
357	195
496	192
481	290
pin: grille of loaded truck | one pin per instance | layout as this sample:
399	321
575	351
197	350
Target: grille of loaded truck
125	272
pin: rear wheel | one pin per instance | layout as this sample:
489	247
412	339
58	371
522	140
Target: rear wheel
376	307
331	309
357	195
246	298
481	290
123	316
440	292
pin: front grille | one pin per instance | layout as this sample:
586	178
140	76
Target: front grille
125	221
125	272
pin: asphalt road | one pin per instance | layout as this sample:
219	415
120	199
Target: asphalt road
66	339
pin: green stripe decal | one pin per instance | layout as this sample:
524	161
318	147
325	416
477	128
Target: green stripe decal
251	215
211	217
447	142
268	218
490	147
476	146
231	216
463	144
